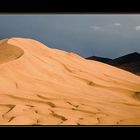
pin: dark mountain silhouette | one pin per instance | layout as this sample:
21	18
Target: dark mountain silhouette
129	62
129	58
101	59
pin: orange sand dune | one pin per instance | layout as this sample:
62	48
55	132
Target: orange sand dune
44	86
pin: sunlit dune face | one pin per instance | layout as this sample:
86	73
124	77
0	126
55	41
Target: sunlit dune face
43	86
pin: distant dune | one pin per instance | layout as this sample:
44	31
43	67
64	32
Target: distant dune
100	59
129	62
44	86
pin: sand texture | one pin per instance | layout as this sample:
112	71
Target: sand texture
45	86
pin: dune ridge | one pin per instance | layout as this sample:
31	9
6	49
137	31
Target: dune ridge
44	86
9	52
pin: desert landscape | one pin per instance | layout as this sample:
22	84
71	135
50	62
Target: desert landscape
129	62
44	86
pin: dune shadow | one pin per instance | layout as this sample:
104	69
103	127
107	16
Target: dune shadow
9	53
137	95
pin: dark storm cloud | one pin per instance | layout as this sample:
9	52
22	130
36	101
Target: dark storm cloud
101	35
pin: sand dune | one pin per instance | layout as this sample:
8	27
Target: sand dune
44	86
9	52
129	62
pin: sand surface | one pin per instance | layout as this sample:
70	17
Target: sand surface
44	86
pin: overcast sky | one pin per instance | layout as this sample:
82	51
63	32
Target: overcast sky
87	35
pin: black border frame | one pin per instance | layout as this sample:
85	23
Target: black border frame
57	7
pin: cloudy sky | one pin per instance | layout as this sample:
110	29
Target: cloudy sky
87	35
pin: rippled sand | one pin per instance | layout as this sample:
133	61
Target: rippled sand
44	86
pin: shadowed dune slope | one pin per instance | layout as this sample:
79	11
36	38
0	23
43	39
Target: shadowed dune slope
9	52
44	86
129	62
